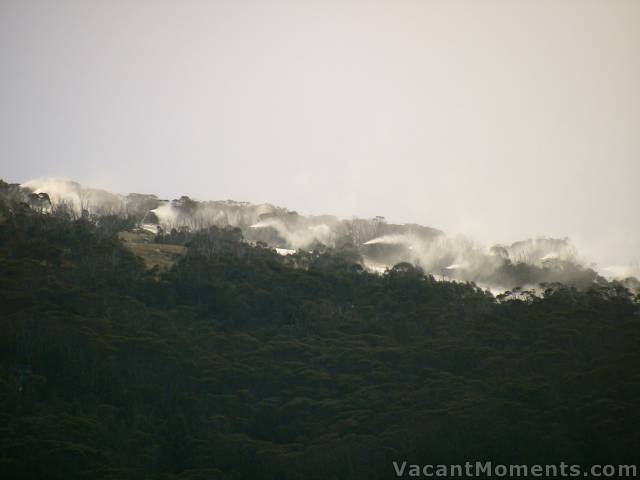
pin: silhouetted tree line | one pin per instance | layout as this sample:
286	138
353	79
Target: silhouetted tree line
240	363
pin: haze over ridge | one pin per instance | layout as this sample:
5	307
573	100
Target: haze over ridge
378	244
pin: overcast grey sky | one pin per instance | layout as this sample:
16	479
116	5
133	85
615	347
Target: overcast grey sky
499	119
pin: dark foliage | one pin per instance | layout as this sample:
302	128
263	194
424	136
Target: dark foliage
239	363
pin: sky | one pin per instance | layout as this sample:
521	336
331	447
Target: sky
502	120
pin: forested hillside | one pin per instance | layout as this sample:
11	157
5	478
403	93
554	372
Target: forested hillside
238	363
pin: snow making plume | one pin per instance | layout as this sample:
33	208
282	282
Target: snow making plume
299	236
167	215
534	251
262	224
59	191
392	239
457	266
76	196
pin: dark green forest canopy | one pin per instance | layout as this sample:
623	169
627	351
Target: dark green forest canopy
239	363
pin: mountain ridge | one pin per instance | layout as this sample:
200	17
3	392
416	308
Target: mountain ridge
379	244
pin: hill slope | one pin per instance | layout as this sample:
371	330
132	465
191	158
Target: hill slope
240	363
